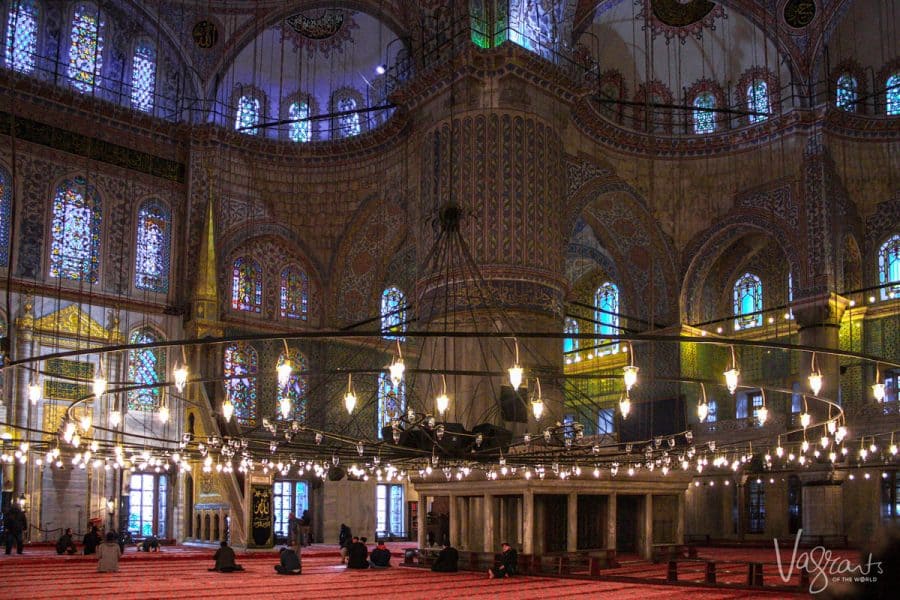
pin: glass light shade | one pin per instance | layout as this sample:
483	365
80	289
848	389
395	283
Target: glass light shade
893	449
762	414
284	405
815	383
515	376
397	369
227	410
779	451
537	408
731	379
349	401
163	414
115	418
625	406
702	411
284	373
34	392
832	426
805	420
805	445
180	374
630	376
442	402
877	391
85	422
99	385
824	441
840	434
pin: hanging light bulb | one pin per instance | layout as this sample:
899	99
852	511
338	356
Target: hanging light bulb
815	377
99	385
805	420
284	405
34	392
732	374
227	410
762	414
832	426
442	402
163	414
702	411
516	371
625	405
85	422
630	371
878	391
537	402
824	441
115	418
284	372
180	374
349	397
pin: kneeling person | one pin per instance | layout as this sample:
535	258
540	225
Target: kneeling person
290	562
224	558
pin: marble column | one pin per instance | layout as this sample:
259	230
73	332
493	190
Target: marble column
528	522
421	521
455	528
490	527
611	521
572	523
679	520
647	533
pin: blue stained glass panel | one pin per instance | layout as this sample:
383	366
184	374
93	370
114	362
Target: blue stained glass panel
758	101
892	94
154	235
348	125
5	201
845	95
21	36
247	115
75	232
143	76
391	401
393	313
86	49
606	313
240	367
570	344
294	294
296	388
748	300
889	268
299	131
246	285
146	366
704	119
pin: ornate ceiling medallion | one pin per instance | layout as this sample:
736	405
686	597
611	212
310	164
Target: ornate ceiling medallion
799	13
680	18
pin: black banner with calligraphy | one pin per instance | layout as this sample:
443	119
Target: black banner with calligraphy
261	516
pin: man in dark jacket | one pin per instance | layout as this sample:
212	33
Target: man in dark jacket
290	562
381	556
16	525
65	545
224	558
91	540
447	560
509	563
358	555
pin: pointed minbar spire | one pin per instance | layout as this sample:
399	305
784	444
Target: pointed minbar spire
205	289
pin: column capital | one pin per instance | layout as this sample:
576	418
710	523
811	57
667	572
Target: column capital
819	310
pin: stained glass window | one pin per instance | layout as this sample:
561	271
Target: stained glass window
86	49
892	94
704	118
889	268
146	367
294	294
21	36
606	313
246	285
758	101
154	235
845	95
240	366
606	421
296	388
299	131
75	232
391	401
393	313
5	201
247	115
748	302
348	125
713	415
570	344
143	76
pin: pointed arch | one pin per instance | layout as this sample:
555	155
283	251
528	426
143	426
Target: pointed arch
246	285
606	314
748	302
239	366
294	294
146	369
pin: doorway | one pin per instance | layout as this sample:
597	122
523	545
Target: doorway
627	512
555	521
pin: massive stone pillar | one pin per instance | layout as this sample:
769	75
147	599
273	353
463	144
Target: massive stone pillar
528	522
611	502
819	320
572	522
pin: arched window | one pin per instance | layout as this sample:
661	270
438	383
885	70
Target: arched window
299	131
748	302
348	124
391	401
606	313
889	268
892	95
146	367
296	389
846	92
247	115
570	344
86	47
713	411
294	294
5	201
758	101
240	365
393	314
75	232
704	118
143	75
153	241
21	35
246	285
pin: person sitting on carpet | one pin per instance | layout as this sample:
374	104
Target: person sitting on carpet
509	562
108	554
447	560
344	539
65	545
290	562
380	557
224	558
357	556
91	540
150	543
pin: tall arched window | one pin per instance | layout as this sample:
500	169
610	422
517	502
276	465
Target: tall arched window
294	294
143	75
393	314
570	344
246	285
606	313
704	118
146	367
892	95
348	124
75	232
86	47
748	302
240	365
299	131
758	101
5	201
22	35
889	268
296	389
846	92
153	243
247	115
391	401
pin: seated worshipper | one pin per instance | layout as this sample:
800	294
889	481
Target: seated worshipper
447	560
508	563
290	562
357	555
151	543
381	556
344	540
65	545
91	540
108	555
224	558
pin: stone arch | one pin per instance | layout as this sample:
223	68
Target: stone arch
879	227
